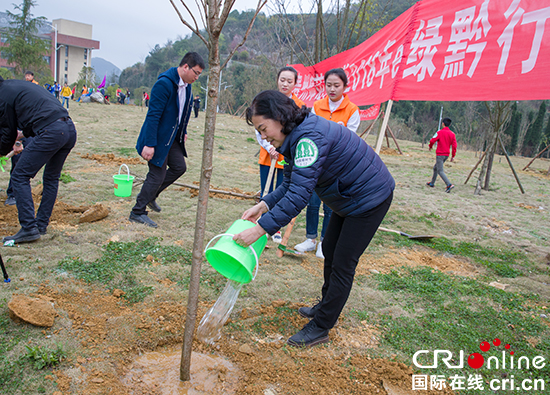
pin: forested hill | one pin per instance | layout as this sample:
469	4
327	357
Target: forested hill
278	39
285	38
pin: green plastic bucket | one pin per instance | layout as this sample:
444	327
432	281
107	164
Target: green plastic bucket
123	183
231	260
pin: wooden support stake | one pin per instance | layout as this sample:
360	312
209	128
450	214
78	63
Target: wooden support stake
395	140
191	186
369	129
383	128
532	160
475	167
510	163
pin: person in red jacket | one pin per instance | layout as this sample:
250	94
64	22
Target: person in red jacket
445	140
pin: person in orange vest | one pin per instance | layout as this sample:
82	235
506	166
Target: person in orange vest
335	107
29	76
286	81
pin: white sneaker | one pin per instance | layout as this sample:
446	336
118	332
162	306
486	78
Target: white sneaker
277	238
308	245
319	253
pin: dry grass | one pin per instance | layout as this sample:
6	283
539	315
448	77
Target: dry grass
500	218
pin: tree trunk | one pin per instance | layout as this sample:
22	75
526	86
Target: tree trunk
202	206
490	158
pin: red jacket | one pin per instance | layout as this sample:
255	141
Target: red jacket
445	140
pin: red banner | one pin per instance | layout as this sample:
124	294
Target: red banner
369	113
447	50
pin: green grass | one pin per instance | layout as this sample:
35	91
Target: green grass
11	366
279	322
17	375
125	151
452	313
41	357
121	262
501	261
65	178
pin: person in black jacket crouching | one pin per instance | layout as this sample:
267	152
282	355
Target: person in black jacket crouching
30	108
348	176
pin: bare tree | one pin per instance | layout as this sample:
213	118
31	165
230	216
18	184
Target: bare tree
213	15
343	25
499	116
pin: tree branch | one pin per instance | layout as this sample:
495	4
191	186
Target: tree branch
261	4
193	29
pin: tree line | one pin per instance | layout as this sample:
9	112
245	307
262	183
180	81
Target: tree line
306	37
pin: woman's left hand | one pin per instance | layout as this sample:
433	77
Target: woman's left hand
249	236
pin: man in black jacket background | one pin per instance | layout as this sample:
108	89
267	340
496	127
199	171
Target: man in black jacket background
34	111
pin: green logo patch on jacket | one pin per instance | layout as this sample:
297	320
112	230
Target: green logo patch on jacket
306	153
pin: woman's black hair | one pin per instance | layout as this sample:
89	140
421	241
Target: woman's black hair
340	73
291	69
276	106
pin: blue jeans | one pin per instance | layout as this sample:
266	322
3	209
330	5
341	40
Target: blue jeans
65	99
312	217
50	147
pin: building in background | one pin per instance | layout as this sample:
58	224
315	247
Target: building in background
70	50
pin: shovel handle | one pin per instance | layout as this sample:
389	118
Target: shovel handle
393	231
269	176
286	236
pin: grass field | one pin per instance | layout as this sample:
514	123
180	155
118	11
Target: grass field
120	289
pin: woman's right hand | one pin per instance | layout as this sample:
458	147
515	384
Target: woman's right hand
273	153
252	214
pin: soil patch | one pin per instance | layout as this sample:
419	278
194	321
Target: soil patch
107	159
63	215
388	151
369	264
111	333
195	192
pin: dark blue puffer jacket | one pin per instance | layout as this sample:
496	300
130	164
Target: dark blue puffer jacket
161	123
332	160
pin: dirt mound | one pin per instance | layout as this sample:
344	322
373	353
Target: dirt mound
63	215
35	311
111	334
107	159
388	151
405	257
236	191
94	213
415	258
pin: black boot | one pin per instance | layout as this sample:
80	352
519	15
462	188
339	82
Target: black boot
309	336
24	236
309	312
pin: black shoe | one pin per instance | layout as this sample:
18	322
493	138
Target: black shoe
449	187
24	236
430	184
42	231
10	201
142	219
309	336
309	312
154	206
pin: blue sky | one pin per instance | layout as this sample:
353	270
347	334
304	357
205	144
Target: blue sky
126	29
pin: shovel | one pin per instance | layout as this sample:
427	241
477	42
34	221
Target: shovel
282	248
419	238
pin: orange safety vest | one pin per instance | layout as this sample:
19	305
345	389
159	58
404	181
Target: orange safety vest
341	115
265	158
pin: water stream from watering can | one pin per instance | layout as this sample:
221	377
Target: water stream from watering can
210	327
